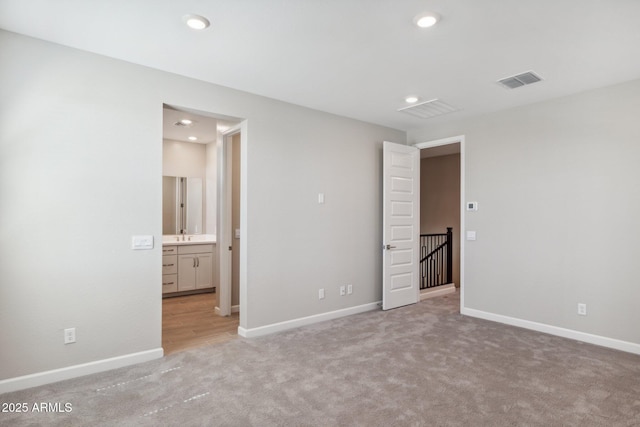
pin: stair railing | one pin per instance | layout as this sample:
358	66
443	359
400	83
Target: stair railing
436	259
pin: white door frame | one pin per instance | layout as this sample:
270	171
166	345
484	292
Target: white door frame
447	141
223	222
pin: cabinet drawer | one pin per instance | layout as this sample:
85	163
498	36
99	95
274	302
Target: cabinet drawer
195	249
169	250
169	283
169	264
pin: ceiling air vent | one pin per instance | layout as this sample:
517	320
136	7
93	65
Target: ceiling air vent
429	109
519	80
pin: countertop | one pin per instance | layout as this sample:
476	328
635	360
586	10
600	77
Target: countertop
189	239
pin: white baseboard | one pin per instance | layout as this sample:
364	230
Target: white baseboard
47	377
616	344
234	309
303	321
449	288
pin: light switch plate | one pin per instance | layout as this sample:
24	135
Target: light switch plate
471	235
472	206
142	242
320	198
237	233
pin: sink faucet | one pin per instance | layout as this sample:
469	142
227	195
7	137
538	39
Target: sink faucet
183	233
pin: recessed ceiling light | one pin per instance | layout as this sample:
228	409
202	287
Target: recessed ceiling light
184	123
426	20
411	99
193	138
196	22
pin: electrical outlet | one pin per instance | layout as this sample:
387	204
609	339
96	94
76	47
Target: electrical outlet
69	335
321	293
582	309
349	289
343	291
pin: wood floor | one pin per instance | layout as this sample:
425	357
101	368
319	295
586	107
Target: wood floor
190	321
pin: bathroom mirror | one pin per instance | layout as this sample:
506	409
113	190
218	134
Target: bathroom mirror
181	205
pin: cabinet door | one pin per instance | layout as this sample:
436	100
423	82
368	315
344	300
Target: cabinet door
186	272
169	264
169	283
204	271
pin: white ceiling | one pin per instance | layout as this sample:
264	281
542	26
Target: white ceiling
358	58
204	128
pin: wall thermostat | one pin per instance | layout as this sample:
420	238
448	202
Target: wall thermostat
472	206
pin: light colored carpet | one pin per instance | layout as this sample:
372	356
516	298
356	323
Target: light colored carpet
422	365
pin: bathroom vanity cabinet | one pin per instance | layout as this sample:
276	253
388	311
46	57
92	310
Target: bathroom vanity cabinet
187	267
195	267
169	269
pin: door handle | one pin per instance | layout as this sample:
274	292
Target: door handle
198	262
387	247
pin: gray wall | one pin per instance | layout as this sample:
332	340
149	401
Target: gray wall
557	186
81	172
184	159
211	188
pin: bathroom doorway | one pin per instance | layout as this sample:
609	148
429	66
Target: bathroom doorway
192	142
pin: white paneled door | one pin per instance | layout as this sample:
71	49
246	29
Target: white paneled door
401	225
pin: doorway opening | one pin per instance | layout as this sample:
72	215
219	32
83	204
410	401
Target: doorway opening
442	202
191	285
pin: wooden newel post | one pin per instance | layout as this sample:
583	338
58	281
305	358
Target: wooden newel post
449	254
